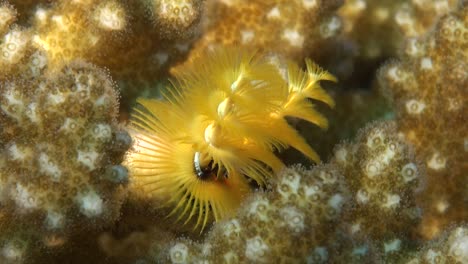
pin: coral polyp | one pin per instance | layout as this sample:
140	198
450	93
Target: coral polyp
217	131
218	161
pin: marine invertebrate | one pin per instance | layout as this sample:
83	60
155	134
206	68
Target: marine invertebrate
62	30
137	41
113	34
333	213
218	130
382	173
387	23
175	16
384	178
357	107
449	248
7	16
60	150
14	45
374	31
428	89
294	29
303	205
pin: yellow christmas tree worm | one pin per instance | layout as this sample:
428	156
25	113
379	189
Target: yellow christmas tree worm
216	133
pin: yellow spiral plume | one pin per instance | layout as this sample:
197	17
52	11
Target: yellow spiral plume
215	134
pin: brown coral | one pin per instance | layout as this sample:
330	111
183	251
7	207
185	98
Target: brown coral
374	30
294	29
450	248
428	87
303	205
60	149
383	175
358	207
116	34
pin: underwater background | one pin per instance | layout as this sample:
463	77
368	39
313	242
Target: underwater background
233	131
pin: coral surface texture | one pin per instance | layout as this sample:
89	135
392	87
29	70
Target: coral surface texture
234	131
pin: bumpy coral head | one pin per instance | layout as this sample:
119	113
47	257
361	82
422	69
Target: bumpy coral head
216	134
175	16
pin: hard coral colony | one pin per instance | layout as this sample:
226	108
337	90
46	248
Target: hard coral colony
200	176
215	135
